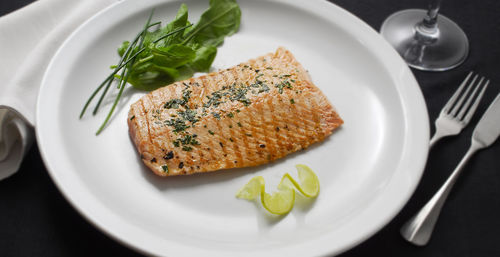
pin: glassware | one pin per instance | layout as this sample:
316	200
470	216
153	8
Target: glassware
425	39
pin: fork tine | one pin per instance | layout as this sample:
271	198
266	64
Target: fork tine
476	103
458	105
469	99
453	98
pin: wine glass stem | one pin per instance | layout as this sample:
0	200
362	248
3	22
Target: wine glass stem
430	20
427	31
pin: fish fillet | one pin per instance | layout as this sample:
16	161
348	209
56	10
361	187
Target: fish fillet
247	115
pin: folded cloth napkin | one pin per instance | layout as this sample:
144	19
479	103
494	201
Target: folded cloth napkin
29	38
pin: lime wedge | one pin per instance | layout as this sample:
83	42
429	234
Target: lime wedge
279	202
309	182
252	189
282	201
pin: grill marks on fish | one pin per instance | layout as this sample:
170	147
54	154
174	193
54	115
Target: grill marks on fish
243	116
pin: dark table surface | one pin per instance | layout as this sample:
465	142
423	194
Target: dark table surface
36	220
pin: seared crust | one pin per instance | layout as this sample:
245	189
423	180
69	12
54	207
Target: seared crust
243	116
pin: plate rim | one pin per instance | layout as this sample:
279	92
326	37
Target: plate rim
393	60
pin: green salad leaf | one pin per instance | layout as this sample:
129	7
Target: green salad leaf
188	52
160	55
220	20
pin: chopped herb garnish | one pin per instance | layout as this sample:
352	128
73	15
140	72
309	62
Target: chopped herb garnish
292	101
280	87
178	124
174	103
231	139
264	88
165	168
169	155
245	101
239	124
181	165
230	115
283	84
189	115
187	148
186	140
194	142
186	95
214	99
238	94
133	117
216	115
210	132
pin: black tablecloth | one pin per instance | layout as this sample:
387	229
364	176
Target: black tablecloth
35	219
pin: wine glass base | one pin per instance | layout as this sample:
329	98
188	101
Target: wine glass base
447	50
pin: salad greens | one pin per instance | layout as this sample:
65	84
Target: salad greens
157	57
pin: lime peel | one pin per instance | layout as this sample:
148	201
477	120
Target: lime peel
252	189
282	201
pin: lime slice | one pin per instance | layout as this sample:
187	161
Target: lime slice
309	182
252	189
280	202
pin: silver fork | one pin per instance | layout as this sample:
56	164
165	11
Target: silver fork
456	114
418	229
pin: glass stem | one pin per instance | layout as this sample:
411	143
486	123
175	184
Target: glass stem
430	20
427	31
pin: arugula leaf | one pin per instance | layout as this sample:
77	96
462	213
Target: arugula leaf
149	76
221	19
205	55
181	20
123	48
188	52
173	56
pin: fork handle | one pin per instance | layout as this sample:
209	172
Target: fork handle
418	229
437	136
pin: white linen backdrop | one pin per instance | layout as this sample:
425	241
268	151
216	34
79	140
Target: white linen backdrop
29	37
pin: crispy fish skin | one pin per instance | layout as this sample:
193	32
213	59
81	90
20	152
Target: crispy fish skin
247	115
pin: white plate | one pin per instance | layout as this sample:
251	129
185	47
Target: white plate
368	169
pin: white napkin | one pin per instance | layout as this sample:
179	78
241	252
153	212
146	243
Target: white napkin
29	38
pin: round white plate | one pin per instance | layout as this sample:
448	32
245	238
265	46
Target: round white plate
368	168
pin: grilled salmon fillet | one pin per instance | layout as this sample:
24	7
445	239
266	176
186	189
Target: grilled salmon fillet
243	116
